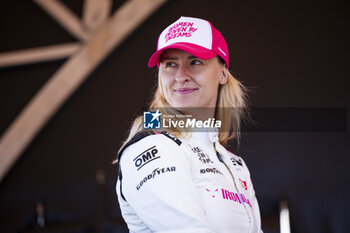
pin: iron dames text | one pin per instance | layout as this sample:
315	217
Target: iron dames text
235	197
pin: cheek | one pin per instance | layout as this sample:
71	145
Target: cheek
212	86
165	84
211	82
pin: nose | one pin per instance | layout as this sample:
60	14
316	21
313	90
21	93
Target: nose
182	74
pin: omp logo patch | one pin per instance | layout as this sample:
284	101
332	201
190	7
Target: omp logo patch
145	157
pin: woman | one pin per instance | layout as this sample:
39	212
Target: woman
180	180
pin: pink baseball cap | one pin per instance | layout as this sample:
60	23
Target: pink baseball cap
195	36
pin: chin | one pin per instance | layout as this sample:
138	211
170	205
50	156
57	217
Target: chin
185	103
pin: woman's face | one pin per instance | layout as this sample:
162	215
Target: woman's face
190	82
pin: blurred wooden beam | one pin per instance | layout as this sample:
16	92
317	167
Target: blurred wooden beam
69	77
65	17
47	53
95	13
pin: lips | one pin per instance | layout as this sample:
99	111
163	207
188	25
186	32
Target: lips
185	90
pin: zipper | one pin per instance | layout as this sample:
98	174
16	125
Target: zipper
235	185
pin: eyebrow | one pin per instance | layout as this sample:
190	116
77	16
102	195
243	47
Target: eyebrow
176	58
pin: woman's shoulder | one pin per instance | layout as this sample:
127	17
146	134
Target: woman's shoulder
146	141
152	151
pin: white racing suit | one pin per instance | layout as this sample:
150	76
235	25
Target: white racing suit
189	185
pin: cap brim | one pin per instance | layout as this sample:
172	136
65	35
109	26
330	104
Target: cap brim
195	50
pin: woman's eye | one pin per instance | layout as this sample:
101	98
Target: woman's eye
196	62
170	64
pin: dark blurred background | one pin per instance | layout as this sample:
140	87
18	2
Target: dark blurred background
291	54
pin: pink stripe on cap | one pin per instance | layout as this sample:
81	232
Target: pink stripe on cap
195	36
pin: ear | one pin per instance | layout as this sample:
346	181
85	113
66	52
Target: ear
224	75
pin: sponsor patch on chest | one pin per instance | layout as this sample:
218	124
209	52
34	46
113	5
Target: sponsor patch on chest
203	157
224	194
211	170
236	162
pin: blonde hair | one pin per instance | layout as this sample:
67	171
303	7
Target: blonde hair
230	109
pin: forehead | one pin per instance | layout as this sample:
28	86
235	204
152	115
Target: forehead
175	53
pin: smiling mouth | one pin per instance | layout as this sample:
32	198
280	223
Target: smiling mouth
185	90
